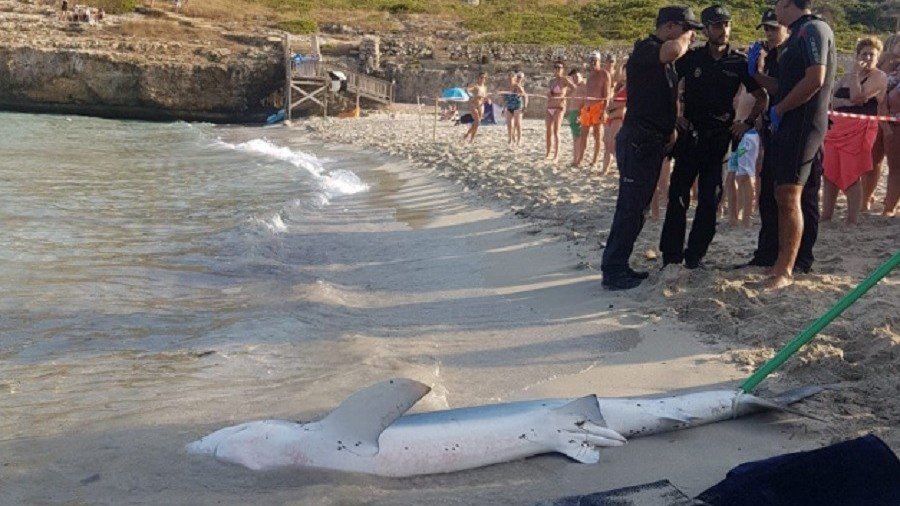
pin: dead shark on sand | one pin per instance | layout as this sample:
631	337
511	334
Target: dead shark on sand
368	433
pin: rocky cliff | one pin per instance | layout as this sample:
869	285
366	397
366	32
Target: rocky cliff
135	67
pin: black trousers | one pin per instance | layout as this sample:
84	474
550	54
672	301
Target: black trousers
767	246
699	159
639	156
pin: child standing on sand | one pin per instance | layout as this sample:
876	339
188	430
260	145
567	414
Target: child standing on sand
743	163
479	93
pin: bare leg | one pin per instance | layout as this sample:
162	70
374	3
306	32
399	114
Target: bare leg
790	231
548	122
609	146
581	146
745	199
731	196
854	200
597	130
510	127
475	125
892	150
870	179
557	123
829	200
662	189
518	118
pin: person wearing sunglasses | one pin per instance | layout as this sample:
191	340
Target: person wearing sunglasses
647	133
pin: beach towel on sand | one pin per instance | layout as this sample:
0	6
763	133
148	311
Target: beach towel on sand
848	150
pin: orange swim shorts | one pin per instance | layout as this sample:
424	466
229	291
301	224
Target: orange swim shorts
592	115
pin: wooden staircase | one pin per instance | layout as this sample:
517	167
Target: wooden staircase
310	79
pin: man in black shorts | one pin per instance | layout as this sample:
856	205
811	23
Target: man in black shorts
798	122
712	76
648	131
767	245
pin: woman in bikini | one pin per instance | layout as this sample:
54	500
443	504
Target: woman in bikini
556	107
478	92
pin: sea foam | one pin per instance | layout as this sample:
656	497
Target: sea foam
332	183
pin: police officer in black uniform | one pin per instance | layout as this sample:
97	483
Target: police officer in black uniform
767	245
712	75
647	133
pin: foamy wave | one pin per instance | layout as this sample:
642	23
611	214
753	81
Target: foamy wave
344	182
275	224
338	182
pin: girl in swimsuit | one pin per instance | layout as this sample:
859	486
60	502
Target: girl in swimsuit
515	100
479	93
556	106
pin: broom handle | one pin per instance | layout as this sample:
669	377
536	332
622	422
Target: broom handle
804	337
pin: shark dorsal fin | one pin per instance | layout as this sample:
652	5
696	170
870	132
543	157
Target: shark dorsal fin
362	417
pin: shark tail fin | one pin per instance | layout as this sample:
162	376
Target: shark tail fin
356	424
783	401
581	430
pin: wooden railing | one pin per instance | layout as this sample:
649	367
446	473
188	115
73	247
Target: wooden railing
358	83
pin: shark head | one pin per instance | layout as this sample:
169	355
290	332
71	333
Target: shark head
350	431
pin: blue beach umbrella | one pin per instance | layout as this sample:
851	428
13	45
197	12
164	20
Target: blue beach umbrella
454	95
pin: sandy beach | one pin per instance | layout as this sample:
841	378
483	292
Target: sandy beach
471	270
857	353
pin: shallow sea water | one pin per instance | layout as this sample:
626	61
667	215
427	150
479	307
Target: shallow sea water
160	280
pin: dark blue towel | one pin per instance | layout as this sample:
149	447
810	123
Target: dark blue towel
863	471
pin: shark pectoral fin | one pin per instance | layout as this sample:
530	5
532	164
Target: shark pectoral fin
581	433
581	451
356	424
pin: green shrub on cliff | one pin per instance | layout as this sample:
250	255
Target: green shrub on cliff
299	26
576	21
114	6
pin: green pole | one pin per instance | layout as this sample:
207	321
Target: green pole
804	337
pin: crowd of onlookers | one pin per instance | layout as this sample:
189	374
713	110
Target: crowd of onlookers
857	146
80	13
85	14
735	113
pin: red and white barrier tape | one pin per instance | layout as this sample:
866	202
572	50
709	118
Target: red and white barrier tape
890	119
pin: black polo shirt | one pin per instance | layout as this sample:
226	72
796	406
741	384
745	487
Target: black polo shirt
811	43
710	86
652	88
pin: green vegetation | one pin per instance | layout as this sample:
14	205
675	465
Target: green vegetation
299	26
114	6
583	21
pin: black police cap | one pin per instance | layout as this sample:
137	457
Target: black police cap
715	14
677	14
768	19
